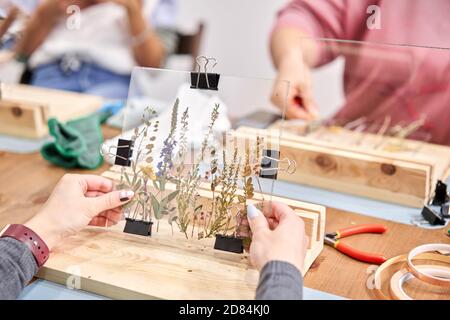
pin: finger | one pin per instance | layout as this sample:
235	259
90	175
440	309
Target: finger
279	92
256	219
102	222
311	107
110	200
273	223
112	213
305	94
106	219
276	210
93	194
97	183
291	223
297	112
304	102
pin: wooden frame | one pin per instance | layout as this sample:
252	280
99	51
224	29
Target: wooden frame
405	178
25	110
166	266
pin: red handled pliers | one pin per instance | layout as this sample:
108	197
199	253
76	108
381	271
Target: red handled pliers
332	239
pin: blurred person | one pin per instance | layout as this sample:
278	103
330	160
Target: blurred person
13	14
91	46
401	84
278	247
8	15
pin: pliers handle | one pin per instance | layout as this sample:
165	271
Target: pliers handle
332	239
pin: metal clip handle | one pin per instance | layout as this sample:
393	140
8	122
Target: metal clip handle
291	165
124	151
211	79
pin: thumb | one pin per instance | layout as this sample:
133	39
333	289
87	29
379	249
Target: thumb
256	219
111	200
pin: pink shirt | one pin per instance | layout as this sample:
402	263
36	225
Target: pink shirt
405	83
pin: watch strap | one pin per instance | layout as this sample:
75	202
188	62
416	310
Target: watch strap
28	237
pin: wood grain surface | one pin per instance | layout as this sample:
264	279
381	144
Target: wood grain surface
337	161
25	110
27	181
338	274
167	265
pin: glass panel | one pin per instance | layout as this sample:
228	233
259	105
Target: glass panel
188	166
400	91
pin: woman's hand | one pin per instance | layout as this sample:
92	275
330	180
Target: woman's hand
78	201
298	73
278	234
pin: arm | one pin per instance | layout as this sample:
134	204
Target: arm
42	22
287	45
17	267
92	202
278	250
280	280
147	47
293	58
6	24
295	52
148	52
37	29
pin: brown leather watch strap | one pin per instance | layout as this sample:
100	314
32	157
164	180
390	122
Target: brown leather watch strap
27	236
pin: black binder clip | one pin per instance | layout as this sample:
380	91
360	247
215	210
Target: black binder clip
445	211
433	217
440	194
270	164
205	80
124	152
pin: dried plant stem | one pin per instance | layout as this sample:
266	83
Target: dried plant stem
186	198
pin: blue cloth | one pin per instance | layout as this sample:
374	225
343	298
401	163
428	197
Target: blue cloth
87	78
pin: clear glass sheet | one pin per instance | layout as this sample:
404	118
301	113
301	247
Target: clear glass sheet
187	166
402	91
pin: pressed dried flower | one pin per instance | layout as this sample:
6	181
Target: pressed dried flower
149	171
187	184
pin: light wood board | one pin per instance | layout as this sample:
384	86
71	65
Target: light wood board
166	265
25	110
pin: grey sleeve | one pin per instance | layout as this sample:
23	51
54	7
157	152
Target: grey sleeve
17	267
279	280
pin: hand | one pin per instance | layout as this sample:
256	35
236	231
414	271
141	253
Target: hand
278	234
298	74
78	201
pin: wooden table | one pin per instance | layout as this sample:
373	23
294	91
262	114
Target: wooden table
27	181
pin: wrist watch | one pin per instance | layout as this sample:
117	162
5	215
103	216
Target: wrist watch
28	237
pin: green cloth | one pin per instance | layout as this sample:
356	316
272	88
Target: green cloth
77	143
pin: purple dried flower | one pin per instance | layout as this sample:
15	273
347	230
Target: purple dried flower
166	162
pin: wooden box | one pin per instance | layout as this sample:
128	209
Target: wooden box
382	168
25	110
167	265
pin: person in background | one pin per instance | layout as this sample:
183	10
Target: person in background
9	15
398	83
13	14
278	247
91	46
